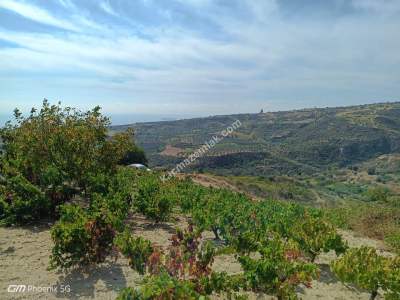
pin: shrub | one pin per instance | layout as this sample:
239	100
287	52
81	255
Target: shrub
114	194
279	270
377	194
134	156
3	211
217	211
98	183
115	206
189	194
183	271
362	267
314	235
154	199
162	286
391	283
81	239
101	238
85	236
339	216
125	182
137	250
394	241
58	151
22	202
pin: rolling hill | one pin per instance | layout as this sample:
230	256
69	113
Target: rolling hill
295	142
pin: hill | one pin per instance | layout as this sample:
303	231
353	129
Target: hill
295	142
347	158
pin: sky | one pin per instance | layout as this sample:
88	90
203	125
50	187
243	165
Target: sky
149	59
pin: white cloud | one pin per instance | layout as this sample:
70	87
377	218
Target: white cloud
66	3
262	56
107	8
75	23
36	14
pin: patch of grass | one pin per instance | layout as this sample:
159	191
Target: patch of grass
279	187
374	220
393	240
339	216
343	189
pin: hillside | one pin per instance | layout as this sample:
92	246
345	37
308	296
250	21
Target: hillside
109	231
294	142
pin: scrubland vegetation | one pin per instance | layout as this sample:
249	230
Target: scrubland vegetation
298	142
60	165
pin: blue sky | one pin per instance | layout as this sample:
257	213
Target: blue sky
198	57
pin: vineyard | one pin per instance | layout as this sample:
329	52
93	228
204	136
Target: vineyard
59	165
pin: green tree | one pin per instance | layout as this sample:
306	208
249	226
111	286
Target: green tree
134	156
58	151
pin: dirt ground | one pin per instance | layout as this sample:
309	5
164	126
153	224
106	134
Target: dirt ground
172	151
24	258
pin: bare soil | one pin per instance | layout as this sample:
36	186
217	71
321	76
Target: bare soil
172	151
24	258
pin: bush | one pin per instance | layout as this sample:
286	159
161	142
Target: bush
55	153
137	250
217	211
98	183
279	270
377	194
339	216
183	271
154	198
122	184
362	267
81	239
22	202
314	235
162	286
125	181
85	236
134	156
189	194
3	211
394	241
391	283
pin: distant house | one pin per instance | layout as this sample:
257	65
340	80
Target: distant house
138	166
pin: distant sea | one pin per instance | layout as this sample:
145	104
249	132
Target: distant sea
123	119
4	118
137	118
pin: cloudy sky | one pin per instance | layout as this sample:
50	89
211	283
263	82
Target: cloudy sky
198	57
